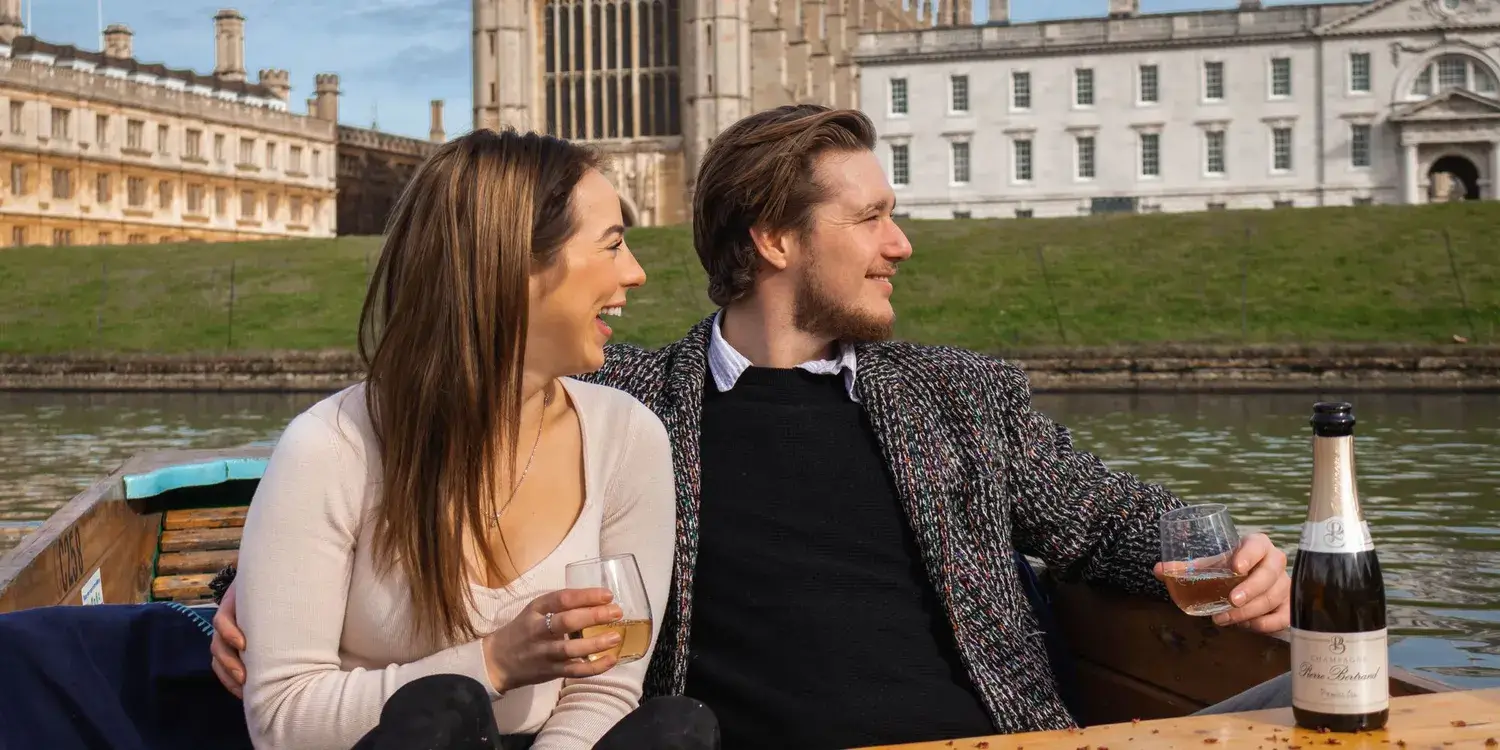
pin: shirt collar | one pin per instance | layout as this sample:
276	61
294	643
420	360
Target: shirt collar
727	365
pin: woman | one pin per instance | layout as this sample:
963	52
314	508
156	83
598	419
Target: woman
417	524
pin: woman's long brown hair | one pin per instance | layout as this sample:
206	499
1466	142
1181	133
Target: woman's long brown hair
442	335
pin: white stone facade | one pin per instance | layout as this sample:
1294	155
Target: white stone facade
1389	101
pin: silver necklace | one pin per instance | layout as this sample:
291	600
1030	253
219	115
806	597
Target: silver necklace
540	421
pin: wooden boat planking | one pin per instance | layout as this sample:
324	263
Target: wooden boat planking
123	541
105	542
1458	719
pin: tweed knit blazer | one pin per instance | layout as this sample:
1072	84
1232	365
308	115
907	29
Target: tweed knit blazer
979	472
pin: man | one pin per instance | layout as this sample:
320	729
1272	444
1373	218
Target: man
849	506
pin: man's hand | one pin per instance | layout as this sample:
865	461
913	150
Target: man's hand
227	644
1263	601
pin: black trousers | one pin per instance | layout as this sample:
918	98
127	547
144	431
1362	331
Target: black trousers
452	712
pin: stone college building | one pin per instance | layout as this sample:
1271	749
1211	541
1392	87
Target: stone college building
104	148
651	81
1387	101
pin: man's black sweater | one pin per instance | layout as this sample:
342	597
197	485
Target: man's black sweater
816	625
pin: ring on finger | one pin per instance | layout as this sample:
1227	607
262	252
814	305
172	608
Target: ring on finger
547	623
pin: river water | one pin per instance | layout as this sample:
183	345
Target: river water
1429	478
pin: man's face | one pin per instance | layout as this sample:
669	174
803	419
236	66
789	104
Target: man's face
846	263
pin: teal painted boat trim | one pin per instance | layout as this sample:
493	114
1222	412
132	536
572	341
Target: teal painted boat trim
167	478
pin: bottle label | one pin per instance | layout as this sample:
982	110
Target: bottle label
1340	673
1336	535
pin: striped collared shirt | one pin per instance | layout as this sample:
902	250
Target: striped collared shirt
726	364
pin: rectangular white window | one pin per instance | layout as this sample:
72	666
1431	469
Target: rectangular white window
958	93
1020	90
1083	87
1213	156
1021	169
960	162
1150	84
1150	154
1085	157
135	191
62	120
1281	77
1213	81
1281	149
1359	72
898	96
900	164
1359	145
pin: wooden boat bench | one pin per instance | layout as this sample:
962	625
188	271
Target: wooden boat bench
202	507
195	545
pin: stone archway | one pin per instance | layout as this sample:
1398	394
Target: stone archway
1453	178
627	209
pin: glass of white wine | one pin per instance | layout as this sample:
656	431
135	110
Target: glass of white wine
622	576
1197	547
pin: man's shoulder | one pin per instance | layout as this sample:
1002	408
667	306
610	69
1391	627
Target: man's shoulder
917	361
635	370
631	355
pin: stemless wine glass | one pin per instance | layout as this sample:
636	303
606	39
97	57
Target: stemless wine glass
622	576
1197	546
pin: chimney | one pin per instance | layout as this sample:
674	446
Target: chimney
1124	8
10	21
999	11
117	42
326	95
435	133
312	106
278	81
229	45
965	12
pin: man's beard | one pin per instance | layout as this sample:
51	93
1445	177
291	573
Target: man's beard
818	312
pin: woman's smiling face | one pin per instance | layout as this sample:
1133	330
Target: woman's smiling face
571	300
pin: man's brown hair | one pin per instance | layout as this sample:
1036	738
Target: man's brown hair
760	172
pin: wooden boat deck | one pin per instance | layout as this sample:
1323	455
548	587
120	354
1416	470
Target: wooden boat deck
1458	719
195	545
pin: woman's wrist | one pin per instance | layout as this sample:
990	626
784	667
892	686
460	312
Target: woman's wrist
491	667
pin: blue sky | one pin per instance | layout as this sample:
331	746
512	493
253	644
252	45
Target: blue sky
392	56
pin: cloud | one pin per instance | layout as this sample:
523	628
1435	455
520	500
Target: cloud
421	64
409	16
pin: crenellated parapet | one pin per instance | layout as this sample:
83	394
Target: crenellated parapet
189	101
376	140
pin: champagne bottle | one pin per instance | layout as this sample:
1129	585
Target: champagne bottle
1340	675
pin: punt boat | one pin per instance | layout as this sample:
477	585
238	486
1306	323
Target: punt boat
163	524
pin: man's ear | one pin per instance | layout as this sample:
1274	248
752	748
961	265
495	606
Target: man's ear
775	248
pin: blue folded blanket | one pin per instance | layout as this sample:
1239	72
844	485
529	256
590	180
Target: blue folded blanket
113	677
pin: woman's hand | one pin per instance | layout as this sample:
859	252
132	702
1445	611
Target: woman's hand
227	645
526	652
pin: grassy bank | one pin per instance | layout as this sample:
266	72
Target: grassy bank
1304	276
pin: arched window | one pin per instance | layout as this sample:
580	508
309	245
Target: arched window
1454	72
